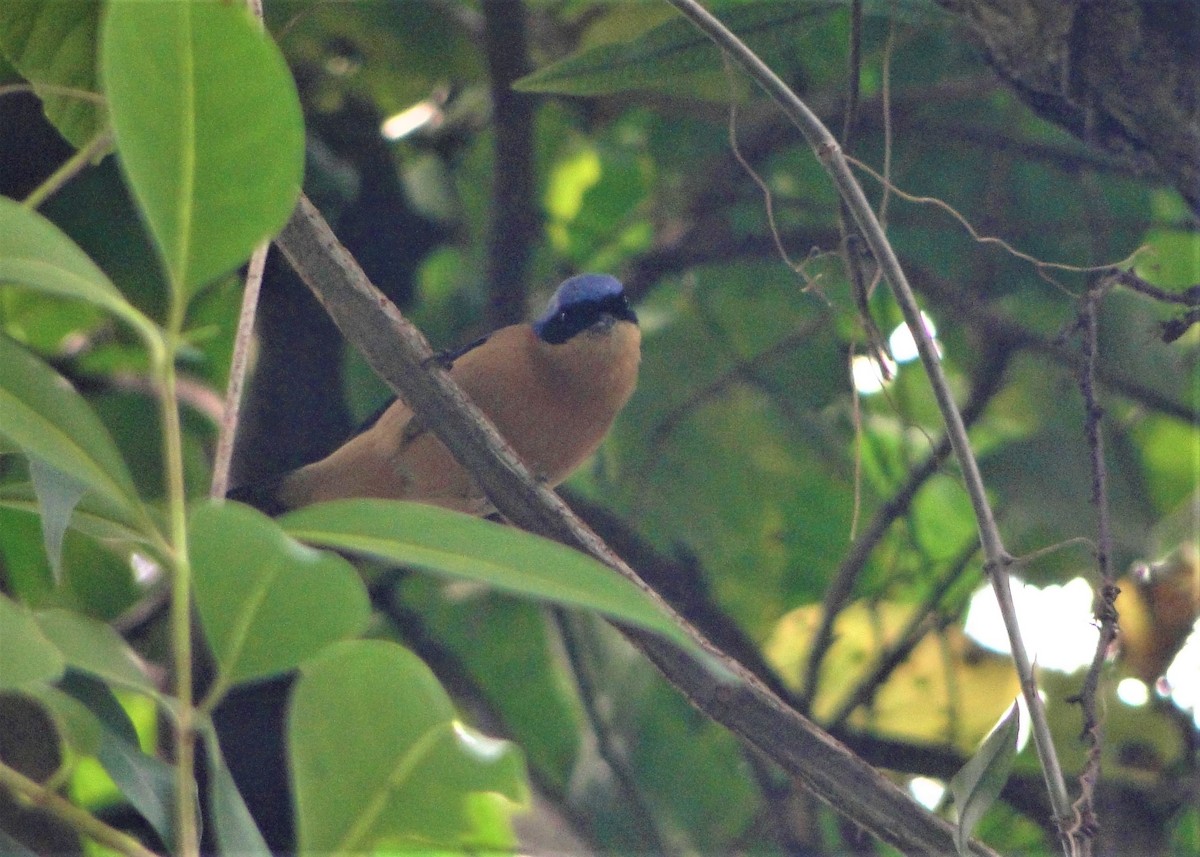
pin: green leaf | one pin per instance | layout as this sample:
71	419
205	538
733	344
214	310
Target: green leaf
233	827
208	130
28	655
977	785
92	516
93	647
674	56
43	415
267	602
458	545
58	494
75	724
36	253
413	781
147	782
96	696
53	43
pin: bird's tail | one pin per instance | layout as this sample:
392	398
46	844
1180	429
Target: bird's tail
263	496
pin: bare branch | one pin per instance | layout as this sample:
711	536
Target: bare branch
514	220
720	687
830	154
237	371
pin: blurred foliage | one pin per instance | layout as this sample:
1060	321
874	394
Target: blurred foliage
745	456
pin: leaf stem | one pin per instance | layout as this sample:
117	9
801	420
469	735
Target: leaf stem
997	557
79	820
187	827
93	149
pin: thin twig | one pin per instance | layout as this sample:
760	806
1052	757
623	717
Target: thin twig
979	238
837	594
43	89
90	151
968	309
80	820
717	685
997	557
640	810
922	621
238	366
885	106
1189	297
1086	822
741	369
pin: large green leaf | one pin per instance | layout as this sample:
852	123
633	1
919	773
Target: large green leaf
53	43
979	782
93	647
36	253
92	516
233	826
208	129
146	781
377	756
267	602
674	56
58	494
28	655
508	559
42	415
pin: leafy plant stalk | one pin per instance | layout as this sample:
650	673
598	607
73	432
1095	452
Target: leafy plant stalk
998	559
80	820
188	844
95	147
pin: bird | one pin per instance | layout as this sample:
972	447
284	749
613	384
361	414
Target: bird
552	387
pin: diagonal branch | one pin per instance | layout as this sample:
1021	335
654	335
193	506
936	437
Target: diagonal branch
718	686
997	557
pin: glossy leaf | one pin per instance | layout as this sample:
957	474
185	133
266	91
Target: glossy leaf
48	420
413	782
470	548
53	43
208	130
37	254
977	785
233	827
267	602
674	56
58	494
91	516
147	782
482	630
93	647
28	655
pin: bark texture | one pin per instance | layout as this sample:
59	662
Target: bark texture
1122	75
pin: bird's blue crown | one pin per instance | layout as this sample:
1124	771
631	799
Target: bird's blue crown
579	303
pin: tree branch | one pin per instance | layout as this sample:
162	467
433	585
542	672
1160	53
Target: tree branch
514	221
997	557
727	693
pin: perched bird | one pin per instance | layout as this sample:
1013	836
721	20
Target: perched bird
552	388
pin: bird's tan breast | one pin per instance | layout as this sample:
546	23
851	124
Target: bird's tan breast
553	404
556	402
